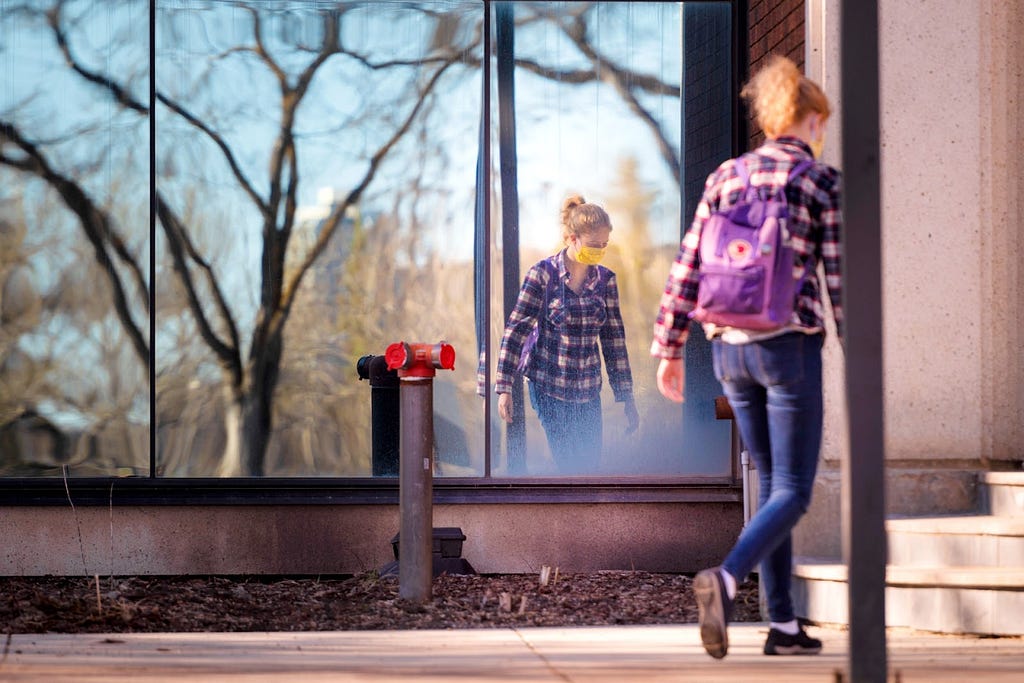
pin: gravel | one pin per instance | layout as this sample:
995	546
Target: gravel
148	604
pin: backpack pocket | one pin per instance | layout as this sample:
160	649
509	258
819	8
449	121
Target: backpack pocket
527	352
731	290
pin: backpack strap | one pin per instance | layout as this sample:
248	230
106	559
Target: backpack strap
798	170
549	288
750	192
552	270
742	172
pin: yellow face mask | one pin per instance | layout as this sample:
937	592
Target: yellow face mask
590	256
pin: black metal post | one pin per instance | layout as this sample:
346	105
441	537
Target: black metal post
505	44
385	414
153	432
482	235
863	464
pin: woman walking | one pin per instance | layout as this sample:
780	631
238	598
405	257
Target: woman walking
772	377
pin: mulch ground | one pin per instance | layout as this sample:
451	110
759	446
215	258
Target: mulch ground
146	604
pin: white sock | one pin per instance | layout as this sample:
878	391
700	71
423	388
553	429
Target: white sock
730	583
790	628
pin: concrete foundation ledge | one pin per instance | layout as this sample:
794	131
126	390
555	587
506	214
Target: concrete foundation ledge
349	539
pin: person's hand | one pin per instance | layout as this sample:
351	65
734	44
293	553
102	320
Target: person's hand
672	379
632	417
505	407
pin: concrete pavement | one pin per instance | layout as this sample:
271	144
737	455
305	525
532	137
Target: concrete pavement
649	654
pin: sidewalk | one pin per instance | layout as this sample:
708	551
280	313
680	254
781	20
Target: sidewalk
648	654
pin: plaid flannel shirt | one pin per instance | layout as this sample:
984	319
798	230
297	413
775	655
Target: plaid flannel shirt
565	363
815	218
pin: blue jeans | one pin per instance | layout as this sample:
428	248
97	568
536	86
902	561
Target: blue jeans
573	431
774	388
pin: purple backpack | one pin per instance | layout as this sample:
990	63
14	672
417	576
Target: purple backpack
748	274
531	339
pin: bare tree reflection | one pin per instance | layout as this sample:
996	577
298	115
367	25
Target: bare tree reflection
200	315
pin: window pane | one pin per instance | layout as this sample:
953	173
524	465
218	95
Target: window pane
598	114
316	183
74	238
316	187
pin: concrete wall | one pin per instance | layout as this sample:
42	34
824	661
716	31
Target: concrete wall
324	539
953	219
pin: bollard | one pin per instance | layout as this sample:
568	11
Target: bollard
384	414
416	365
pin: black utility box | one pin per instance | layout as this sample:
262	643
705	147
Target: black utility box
446	541
446	553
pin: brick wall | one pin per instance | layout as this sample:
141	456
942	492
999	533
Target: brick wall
773	27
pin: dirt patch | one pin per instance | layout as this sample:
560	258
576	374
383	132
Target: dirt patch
144	604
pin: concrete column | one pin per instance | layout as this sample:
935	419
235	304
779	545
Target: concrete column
1001	235
953	242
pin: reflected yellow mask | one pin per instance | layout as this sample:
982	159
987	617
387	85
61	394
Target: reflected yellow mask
590	256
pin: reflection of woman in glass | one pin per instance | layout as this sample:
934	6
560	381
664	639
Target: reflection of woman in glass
573	303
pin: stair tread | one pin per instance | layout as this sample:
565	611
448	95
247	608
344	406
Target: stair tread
1003	478
991	525
897	575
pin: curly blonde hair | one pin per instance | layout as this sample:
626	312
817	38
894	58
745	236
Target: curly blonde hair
779	96
581	218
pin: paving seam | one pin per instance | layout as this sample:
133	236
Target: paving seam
539	655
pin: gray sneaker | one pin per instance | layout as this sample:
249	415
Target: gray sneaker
715	609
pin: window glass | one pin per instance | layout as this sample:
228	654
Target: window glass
74	239
317	198
598	114
315	181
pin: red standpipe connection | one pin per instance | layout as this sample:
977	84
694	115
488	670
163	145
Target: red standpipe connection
419	360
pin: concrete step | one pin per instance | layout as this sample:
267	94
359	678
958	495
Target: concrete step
960	599
963	540
1005	491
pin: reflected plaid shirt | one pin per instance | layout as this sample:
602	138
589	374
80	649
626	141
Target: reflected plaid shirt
815	217
565	363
